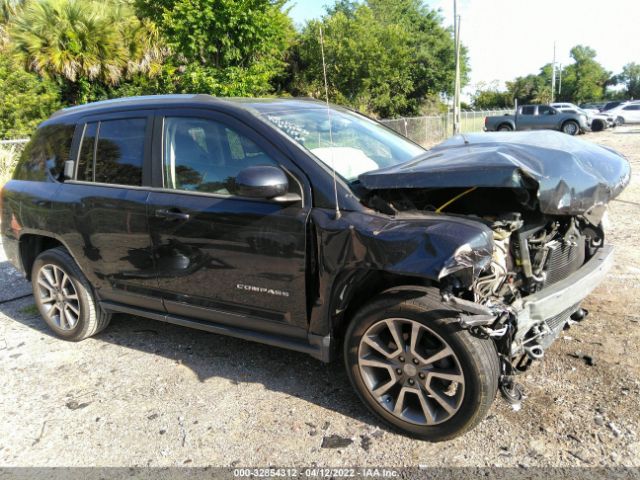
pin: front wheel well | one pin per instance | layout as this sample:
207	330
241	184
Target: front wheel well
33	245
370	287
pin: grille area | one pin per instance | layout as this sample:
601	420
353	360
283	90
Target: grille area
563	260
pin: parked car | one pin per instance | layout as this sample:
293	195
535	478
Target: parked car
593	106
438	274
595	120
627	112
538	117
609	105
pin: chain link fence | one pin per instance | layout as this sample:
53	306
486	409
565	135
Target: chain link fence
10	151
429	130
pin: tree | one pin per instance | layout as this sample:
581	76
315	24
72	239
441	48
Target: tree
630	78
235	47
25	99
585	79
385	57
84	42
490	96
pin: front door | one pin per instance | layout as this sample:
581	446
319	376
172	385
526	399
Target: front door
221	257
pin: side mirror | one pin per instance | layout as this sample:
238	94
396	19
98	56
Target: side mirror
69	169
262	182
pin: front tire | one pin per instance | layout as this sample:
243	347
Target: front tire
65	298
416	369
570	127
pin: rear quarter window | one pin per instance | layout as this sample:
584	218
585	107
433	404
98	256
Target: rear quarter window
44	156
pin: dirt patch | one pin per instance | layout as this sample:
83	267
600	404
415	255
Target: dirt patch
146	393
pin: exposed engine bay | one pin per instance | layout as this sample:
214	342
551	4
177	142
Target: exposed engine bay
541	199
531	250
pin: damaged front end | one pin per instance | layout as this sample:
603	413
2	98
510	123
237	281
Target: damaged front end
543	196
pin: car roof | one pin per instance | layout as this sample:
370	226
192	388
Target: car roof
253	105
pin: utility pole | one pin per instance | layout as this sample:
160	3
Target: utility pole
553	73
456	90
560	79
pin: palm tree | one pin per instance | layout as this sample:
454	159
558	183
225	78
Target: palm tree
79	41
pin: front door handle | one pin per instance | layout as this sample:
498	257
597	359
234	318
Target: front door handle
172	214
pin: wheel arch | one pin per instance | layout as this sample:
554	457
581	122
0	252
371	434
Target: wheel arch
360	286
32	244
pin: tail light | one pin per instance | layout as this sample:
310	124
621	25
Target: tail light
486	120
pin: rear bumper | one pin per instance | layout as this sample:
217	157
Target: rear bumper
556	299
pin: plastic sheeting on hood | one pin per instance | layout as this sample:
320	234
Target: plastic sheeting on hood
570	175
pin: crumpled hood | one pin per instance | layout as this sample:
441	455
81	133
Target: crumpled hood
569	175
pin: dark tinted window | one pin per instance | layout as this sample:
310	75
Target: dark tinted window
44	156
120	151
205	156
530	110
632	107
85	160
544	110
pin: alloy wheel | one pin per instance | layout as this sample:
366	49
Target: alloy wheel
411	371
58	297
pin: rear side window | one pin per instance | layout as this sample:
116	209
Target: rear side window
112	151
528	110
44	156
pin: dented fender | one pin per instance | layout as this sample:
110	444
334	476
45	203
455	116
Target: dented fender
424	246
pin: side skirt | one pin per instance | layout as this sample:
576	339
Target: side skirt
317	346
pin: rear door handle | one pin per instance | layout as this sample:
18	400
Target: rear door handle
172	214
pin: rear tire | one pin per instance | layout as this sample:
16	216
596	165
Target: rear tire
402	385
505	127
570	127
65	298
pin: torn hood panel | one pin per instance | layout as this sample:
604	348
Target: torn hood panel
569	175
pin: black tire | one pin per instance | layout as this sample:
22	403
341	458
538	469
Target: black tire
597	126
570	127
91	318
505	127
477	357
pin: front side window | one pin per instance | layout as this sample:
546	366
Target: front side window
203	155
544	110
112	151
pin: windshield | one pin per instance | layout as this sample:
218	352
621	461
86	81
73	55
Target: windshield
359	144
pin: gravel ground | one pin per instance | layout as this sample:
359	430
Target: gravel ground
144	393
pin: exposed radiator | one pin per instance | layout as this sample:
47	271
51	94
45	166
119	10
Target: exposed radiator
563	259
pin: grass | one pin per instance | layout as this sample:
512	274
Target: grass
30	310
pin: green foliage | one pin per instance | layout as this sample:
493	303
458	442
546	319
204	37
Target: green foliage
585	79
383	56
489	96
223	47
630	78
83	43
25	99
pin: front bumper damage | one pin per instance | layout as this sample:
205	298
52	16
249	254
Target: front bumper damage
537	319
560	299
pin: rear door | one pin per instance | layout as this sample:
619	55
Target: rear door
631	113
221	257
526	118
104	208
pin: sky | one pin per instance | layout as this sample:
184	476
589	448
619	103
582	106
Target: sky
510	38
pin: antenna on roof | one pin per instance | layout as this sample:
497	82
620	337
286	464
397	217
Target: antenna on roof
326	96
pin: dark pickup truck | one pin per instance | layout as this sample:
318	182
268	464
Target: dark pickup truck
538	117
438	274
